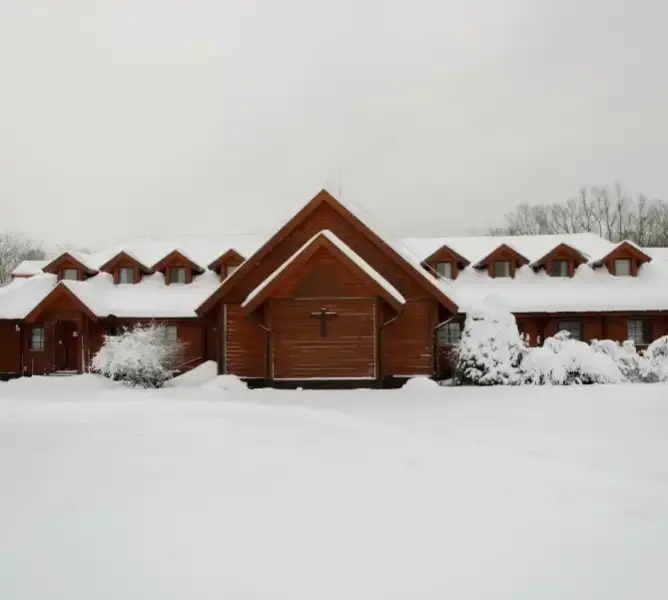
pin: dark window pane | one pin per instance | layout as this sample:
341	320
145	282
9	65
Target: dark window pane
559	268
444	269
573	327
501	268
623	267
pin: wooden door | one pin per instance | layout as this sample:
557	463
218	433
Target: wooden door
67	346
323	339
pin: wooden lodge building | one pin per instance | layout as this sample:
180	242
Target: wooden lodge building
327	298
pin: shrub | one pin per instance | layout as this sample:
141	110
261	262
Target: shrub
657	359
491	349
564	361
139	357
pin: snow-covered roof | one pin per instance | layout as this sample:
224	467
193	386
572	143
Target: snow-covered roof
589	290
20	296
343	247
28	268
533	247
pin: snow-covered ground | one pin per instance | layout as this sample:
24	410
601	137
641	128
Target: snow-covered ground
195	492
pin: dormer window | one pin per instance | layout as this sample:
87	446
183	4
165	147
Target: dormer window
70	274
560	268
623	267
231	269
177	275
126	275
444	269
502	268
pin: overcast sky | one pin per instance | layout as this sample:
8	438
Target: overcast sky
149	117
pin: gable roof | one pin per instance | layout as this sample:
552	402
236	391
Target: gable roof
60	290
81	260
326	239
127	256
563	246
225	258
413	270
519	257
636	250
162	264
458	257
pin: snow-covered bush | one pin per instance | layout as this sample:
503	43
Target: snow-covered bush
634	366
657	359
564	361
141	356
491	348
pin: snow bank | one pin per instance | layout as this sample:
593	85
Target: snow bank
420	385
201	375
227	383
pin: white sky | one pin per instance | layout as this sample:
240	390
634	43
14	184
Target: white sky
151	117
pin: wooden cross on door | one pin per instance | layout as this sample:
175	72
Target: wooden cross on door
323	314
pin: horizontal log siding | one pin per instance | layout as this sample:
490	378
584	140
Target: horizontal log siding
299	351
408	342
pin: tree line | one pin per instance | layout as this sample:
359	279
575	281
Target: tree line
14	249
607	211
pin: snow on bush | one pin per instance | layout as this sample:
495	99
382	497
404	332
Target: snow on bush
140	357
657	359
491	348
564	361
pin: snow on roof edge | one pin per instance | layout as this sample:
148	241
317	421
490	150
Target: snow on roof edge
343	247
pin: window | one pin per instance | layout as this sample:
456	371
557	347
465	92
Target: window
501	268
72	274
230	269
177	275
126	275
444	269
37	338
171	333
639	331
623	267
560	268
573	327
450	334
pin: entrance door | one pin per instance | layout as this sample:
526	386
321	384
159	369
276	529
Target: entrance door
323	339
67	346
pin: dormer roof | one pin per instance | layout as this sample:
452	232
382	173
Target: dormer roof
124	258
81	260
177	257
229	257
625	247
505	250
560	250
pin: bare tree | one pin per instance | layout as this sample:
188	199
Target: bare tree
606	211
15	249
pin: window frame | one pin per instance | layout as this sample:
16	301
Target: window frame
178	269
560	262
69	270
645	330
446	265
42	338
131	270
168	329
566	325
629	262
445	337
502	262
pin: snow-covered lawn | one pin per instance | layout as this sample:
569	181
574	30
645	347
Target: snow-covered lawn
194	492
